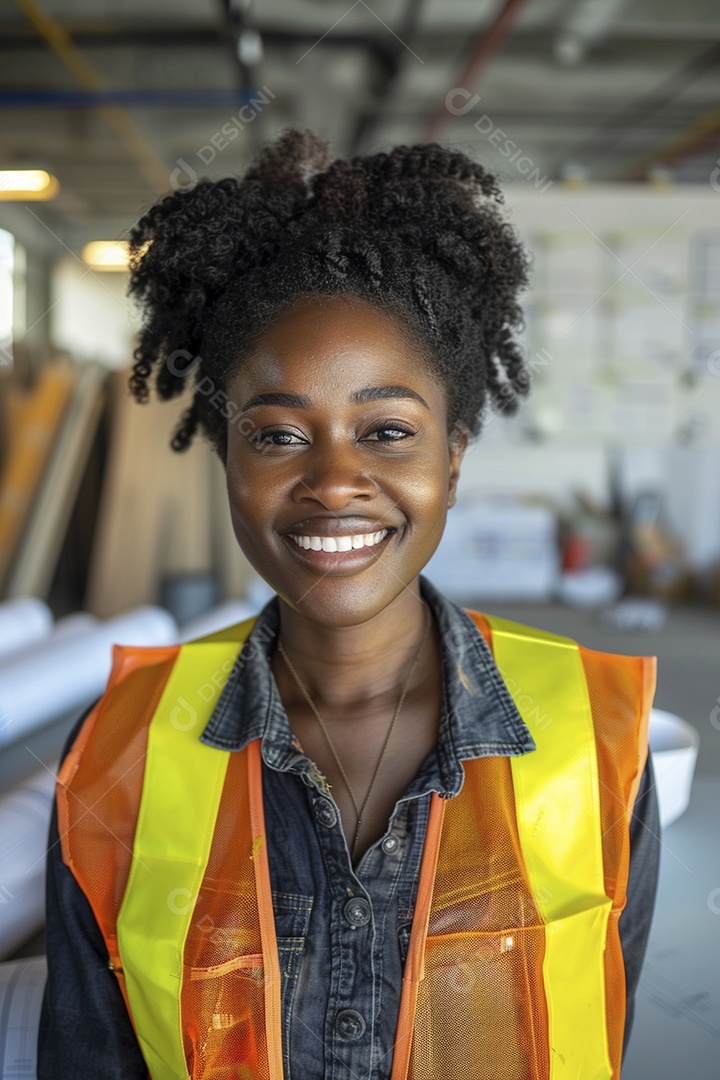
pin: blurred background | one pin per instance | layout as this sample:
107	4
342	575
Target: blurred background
594	512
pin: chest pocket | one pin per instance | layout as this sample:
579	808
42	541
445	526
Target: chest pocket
292	919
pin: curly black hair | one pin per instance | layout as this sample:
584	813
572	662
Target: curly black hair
416	231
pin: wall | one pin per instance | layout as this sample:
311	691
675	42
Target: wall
623	339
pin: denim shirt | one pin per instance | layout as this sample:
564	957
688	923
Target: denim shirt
342	933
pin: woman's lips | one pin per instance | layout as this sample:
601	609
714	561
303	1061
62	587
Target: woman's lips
347	552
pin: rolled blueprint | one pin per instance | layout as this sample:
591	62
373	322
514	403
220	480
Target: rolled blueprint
68	671
22	622
22	983
24	821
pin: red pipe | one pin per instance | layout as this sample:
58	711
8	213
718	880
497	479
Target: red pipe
487	48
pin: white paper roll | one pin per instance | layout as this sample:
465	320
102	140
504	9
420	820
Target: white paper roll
77	622
22	622
67	626
66	672
22	983
232	611
24	822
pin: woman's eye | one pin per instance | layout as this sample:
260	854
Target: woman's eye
279	438
389	433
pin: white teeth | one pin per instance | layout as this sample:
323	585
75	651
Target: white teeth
339	543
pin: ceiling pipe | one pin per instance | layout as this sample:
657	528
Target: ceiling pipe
158	99
490	44
58	39
616	129
702	134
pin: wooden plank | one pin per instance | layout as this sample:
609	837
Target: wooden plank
154	514
35	416
32	570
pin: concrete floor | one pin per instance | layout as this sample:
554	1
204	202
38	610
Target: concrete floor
677	1020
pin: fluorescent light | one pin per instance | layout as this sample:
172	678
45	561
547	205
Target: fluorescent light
27	184
106	254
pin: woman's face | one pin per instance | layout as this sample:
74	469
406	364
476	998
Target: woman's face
341	443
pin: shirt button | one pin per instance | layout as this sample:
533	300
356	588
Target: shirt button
390	844
357	911
349	1024
325	813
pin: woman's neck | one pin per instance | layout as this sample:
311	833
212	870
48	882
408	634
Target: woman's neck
356	665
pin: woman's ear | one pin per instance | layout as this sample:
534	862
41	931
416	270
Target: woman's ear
458	443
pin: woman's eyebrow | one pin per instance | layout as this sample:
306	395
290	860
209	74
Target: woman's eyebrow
375	393
290	401
359	397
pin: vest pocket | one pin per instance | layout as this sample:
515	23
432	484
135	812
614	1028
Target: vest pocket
229	996
223	1007
482	1000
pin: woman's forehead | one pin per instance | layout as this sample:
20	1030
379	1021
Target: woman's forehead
334	344
340	320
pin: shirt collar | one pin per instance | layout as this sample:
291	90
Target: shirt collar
479	717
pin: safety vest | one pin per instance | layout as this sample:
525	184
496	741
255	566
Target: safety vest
514	968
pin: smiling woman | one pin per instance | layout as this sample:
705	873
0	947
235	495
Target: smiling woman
365	857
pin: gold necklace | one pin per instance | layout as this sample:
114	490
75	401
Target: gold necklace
361	810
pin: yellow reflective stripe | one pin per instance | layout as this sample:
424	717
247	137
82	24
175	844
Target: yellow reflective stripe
172	844
558	815
574	979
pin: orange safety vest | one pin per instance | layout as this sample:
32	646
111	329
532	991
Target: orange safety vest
514	969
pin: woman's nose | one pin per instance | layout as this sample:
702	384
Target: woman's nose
334	476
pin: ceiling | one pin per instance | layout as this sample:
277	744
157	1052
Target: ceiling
121	99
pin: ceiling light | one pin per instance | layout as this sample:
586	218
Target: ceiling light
27	184
106	254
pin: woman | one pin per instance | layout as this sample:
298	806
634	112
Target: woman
332	841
